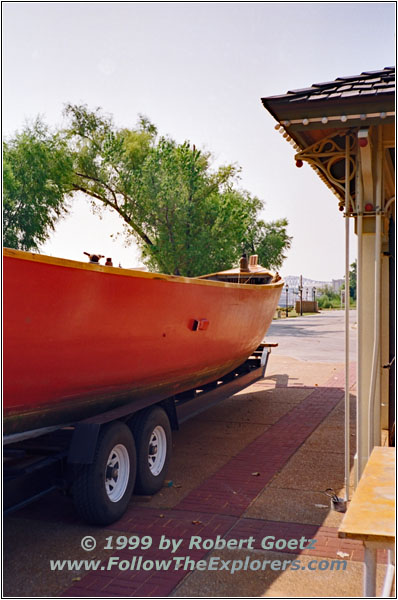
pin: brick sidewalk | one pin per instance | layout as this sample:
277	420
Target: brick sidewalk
216	507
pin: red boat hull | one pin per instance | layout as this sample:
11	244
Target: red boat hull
82	338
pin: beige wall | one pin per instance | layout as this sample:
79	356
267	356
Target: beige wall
371	181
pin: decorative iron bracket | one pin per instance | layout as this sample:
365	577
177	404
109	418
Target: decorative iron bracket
327	157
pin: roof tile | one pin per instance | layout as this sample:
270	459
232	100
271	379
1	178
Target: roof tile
379	72
385	90
347	78
363	86
299	99
350	93
318	97
302	91
382	84
325	84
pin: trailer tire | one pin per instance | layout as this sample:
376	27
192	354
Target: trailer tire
152	434
102	490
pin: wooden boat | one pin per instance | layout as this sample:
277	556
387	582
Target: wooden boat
82	338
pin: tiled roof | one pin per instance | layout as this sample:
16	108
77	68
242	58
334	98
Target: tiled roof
369	83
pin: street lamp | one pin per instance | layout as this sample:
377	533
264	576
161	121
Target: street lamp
287	300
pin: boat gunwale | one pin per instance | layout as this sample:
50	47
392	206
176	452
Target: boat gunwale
126	272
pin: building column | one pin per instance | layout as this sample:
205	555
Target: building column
371	313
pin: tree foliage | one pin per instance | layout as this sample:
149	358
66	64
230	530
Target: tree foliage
37	171
187	217
328	292
353	280
269	240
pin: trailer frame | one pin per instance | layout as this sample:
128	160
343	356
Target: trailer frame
41	464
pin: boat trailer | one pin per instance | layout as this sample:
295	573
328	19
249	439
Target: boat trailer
58	460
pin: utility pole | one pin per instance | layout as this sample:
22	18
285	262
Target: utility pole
287	300
301	295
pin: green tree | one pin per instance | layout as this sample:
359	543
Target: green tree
328	292
37	171
269	240
324	301
353	280
187	218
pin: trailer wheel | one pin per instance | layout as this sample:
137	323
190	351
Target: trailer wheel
102	489
152	434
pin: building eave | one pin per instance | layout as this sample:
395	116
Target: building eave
321	114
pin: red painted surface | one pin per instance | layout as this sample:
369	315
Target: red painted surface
79	337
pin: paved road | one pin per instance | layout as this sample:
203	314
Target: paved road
316	338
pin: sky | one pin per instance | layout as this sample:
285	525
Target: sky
197	70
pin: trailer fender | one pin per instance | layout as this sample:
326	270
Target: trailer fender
170	408
84	443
